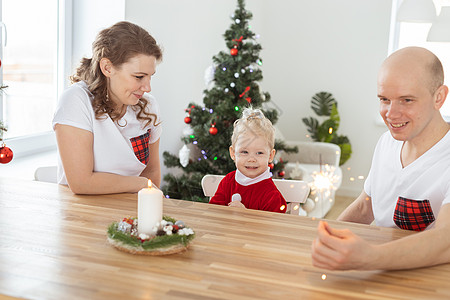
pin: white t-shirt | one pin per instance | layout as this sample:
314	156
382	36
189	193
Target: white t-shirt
113	144
406	197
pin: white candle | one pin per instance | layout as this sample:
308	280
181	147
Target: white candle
149	208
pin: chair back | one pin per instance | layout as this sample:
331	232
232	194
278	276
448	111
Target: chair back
46	174
293	191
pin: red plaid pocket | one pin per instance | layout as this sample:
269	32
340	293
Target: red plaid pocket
140	146
413	214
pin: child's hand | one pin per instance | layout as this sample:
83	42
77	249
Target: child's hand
236	204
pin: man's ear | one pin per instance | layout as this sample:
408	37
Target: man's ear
232	154
106	66
272	155
440	96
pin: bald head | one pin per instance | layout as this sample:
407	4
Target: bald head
420	63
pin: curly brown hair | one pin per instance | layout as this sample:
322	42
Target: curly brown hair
118	43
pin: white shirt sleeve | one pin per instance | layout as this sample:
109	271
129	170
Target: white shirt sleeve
75	108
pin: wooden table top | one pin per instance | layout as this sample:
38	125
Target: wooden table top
53	246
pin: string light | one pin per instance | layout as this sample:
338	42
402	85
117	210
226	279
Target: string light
324	276
236	108
192	136
330	130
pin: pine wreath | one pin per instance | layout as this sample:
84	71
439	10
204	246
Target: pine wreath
171	236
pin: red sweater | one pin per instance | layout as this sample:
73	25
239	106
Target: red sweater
262	195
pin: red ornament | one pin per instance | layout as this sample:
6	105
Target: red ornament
271	166
244	92
187	120
234	51
6	154
213	130
249	100
281	173
239	39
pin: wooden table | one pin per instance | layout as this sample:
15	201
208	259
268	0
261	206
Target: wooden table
53	246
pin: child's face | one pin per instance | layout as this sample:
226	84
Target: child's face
251	155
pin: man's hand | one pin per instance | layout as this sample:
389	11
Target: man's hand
336	249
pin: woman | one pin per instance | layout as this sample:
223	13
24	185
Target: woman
106	128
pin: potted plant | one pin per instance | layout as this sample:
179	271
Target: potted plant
324	105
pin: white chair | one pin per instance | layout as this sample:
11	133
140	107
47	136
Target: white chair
293	191
46	174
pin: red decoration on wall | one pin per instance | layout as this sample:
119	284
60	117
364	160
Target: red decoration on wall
281	173
234	51
187	120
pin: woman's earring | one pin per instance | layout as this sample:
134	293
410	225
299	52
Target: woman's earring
107	97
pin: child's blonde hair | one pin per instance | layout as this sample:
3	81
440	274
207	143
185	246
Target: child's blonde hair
253	121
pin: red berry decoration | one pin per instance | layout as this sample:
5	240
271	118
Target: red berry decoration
187	120
213	130
271	166
281	173
234	51
6	154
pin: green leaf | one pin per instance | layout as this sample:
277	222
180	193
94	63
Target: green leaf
346	152
312	126
324	131
322	103
335	117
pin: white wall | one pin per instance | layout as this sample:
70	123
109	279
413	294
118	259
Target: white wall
309	46
89	17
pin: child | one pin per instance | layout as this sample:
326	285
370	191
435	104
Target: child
250	186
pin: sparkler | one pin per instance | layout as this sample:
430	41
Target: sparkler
323	182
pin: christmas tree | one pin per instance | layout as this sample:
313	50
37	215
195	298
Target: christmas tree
235	74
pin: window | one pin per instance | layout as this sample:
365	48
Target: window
415	34
30	51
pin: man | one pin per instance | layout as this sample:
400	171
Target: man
408	185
